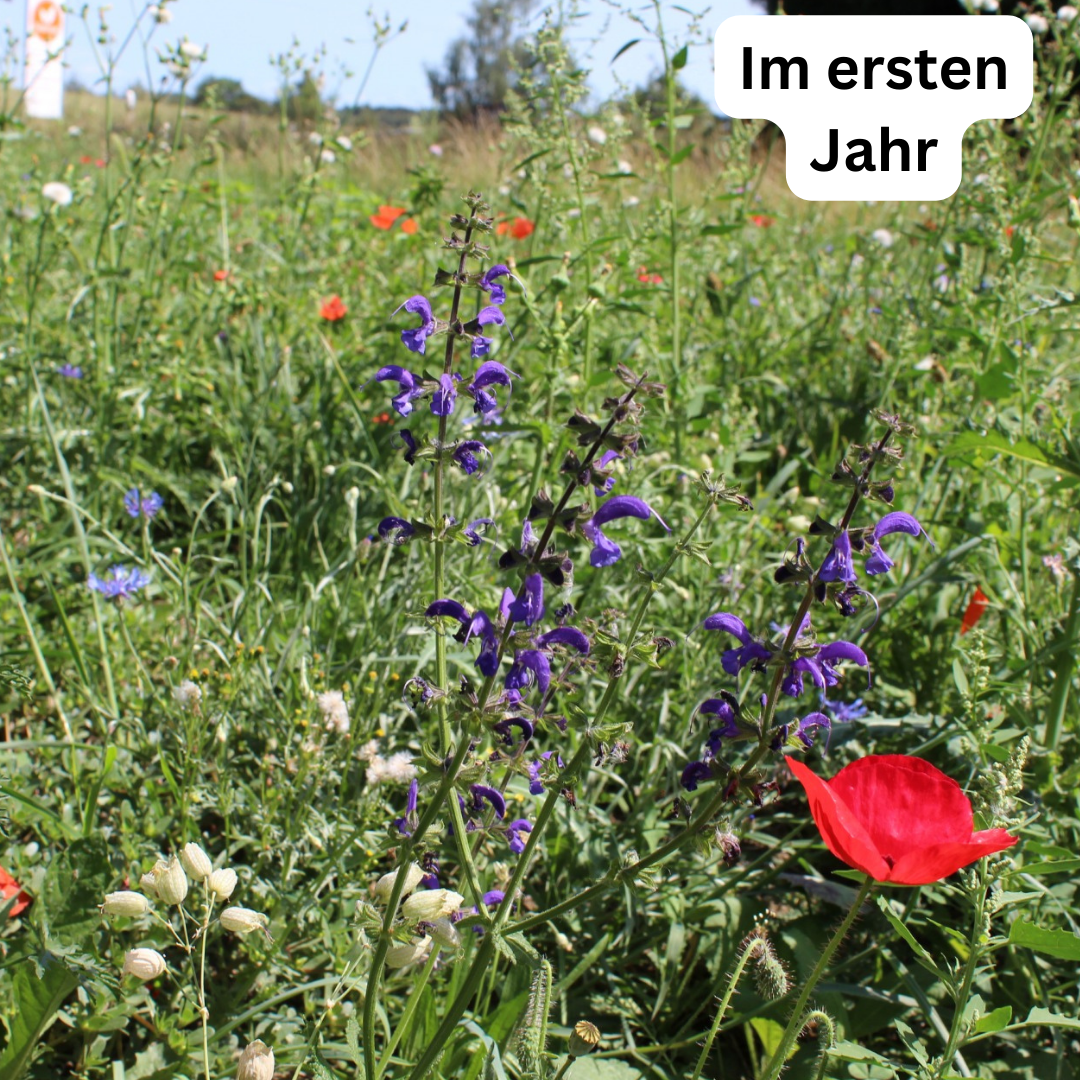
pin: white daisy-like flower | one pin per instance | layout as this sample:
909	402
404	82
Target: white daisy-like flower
399	767
1039	23
597	135
882	237
187	695
58	192
190	51
335	712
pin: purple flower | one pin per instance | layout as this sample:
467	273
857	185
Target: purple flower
149	506
472	534
804	730
529	664
897	521
821	667
395	530
493	898
442	402
605	551
119	583
407	823
410	445
755	302
565	635
603	484
695	773
750	651
465	455
837	565
536	785
416	340
489	373
482	794
503	728
516	833
844	712
497	293
70	371
406	381
489	316
477	625
529	606
729	729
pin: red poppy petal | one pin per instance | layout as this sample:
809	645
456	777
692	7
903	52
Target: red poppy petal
974	611
842	832
904	802
8	888
926	865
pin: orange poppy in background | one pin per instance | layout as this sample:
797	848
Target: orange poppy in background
519	228
762	221
9	887
386	216
333	309
409	226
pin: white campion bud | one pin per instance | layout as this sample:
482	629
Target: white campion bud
144	964
196	862
445	933
242	920
384	886
148	882
125	903
222	883
190	51
170	882
430	904
256	1062
399	956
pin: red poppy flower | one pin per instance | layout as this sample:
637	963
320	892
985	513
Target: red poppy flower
897	818
220	275
409	226
382	418
86	159
762	221
974	611
386	216
99	162
9	887
1009	230
519	228
333	309
644	276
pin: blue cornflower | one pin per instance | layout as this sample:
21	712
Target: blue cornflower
516	832
605	551
120	583
148	507
70	371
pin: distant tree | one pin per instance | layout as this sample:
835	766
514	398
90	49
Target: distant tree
305	101
479	69
228	94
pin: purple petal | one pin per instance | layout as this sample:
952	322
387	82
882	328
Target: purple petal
491	373
481	794
841	650
621	506
694	774
897	521
837	565
390	525
565	635
491	316
529	663
402	376
730	624
529	606
442	402
448	607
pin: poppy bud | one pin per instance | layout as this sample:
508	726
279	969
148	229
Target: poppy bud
385	885
430	904
583	1039
222	882
242	920
399	956
196	862
125	903
170	882
144	964
256	1062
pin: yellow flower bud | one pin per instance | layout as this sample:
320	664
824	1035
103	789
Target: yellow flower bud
430	904
256	1062
196	862
144	964
222	883
125	903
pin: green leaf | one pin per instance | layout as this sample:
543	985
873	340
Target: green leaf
625	48
38	1000
602	1069
1051	866
683	154
678	61
74	885
1063	944
996	1020
352	1037
899	926
1051	1019
1023	449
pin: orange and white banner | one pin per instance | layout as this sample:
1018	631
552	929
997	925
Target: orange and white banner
43	77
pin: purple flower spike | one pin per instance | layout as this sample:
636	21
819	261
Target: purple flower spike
416	340
695	773
442	401
448	607
565	635
897	521
605	551
529	606
395	530
529	664
482	794
516	832
405	379
465	455
837	565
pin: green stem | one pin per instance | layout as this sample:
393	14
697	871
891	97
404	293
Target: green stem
722	1009
564	1067
1063	667
410	1010
794	1026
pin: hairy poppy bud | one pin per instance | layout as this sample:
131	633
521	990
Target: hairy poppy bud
431	904
196	862
385	885
583	1039
125	903
144	964
242	920
222	882
399	956
256	1062
170	882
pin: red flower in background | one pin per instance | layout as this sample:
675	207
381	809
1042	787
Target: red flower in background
519	228
647	278
333	309
9	887
974	611
762	221
897	818
409	226
220	275
387	215
1009	230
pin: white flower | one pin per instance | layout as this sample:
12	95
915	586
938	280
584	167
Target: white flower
385	885
399	767
74	131
856	261
435	150
222	882
327	157
256	1062
242	920
335	712
190	51
125	903
399	956
315	139
196	862
369	751
882	237
144	964
344	142
187	695
630	202
170	881
445	933
58	193
597	135
625	167
430	904
1066	14
1038	23
160	13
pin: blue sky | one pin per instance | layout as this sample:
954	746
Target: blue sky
242	35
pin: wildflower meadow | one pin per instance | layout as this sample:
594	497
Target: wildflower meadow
529	598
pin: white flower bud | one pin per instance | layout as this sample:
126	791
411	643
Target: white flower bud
144	964
57	192
430	904
170	882
222	883
256	1062
148	882
196	862
125	903
229	484
384	886
445	933
242	920
399	956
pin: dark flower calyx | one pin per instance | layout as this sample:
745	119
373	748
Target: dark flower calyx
587	429
648	389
